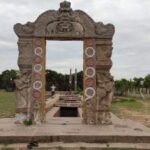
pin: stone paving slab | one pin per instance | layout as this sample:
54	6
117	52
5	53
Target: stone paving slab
58	129
51	101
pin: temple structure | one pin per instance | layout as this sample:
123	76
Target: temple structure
65	24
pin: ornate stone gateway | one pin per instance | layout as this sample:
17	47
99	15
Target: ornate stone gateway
65	24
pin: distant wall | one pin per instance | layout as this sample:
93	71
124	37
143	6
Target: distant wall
136	92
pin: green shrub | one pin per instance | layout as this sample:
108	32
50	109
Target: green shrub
27	122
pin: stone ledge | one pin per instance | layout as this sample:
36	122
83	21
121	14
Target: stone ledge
80	146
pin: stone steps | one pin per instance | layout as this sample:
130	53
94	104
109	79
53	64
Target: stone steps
76	138
71	133
78	146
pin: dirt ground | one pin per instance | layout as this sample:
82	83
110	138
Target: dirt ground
136	116
139	113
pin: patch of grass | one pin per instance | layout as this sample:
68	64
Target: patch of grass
114	149
82	148
5	148
60	148
125	99
7	104
27	122
130	104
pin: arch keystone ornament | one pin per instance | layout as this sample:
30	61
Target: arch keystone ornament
65	24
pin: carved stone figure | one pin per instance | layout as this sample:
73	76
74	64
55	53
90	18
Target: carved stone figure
23	95
105	90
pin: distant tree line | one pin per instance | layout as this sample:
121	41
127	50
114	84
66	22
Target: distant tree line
134	85
61	81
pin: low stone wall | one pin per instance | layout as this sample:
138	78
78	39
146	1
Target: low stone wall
142	92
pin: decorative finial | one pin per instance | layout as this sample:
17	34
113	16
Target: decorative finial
65	6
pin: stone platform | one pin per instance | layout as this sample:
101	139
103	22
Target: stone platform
78	146
71	130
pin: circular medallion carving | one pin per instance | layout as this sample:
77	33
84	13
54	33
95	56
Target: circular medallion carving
89	51
38	51
37	85
36	94
90	72
38	68
90	92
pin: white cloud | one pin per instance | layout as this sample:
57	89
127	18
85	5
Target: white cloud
63	55
131	51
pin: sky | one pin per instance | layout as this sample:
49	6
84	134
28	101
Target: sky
131	42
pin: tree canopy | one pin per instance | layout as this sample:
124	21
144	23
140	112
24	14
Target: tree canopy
61	81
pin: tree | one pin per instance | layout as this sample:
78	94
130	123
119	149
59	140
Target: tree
137	82
62	81
7	80
51	78
80	80
147	81
122	86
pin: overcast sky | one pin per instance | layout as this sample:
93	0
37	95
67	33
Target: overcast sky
131	42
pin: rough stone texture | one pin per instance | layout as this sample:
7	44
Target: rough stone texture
23	82
25	58
104	81
23	97
71	130
105	90
68	24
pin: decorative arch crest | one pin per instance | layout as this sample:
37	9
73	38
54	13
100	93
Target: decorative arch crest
64	22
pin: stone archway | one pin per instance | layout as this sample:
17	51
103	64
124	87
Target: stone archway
65	24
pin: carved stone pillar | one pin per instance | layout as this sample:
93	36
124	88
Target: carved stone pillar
38	79
24	79
89	86
104	81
